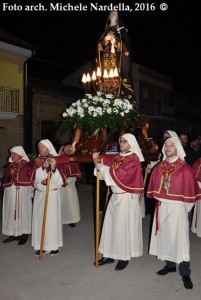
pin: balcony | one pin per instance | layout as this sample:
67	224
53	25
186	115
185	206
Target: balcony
9	103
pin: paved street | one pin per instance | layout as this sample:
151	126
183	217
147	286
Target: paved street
72	275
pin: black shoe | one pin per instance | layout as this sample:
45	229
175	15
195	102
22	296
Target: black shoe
105	261
187	282
37	253
10	239
22	241
72	225
166	270
54	252
121	265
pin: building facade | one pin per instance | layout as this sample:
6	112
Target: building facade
13	77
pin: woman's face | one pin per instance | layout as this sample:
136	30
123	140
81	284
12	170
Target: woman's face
165	135
124	145
113	18
43	150
15	157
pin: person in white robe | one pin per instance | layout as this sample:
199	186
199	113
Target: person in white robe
121	236
174	186
38	172
70	203
70	207
17	198
196	219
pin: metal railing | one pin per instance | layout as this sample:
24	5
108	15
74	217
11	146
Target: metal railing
9	99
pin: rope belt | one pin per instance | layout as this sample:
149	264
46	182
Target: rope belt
44	191
158	203
196	218
120	193
16	212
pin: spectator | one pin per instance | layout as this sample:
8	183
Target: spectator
195	146
190	154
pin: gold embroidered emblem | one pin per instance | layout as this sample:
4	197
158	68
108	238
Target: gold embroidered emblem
12	171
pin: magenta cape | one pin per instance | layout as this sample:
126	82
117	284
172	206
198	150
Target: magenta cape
183	184
197	169
126	172
39	161
73	170
16	173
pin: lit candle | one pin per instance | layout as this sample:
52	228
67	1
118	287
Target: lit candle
98	73
111	74
93	76
105	74
88	77
84	78
116	73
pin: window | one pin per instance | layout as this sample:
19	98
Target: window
9	99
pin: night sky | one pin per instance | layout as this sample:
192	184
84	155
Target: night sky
165	41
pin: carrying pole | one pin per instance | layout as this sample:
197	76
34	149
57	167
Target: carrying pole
107	196
45	214
97	217
145	180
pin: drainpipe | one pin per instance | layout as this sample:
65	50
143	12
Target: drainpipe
27	121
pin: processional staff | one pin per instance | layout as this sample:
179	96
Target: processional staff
147	171
97	217
45	212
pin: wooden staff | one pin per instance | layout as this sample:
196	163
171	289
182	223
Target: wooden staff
107	196
144	182
97	216
45	214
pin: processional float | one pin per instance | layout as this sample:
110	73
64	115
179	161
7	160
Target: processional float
107	110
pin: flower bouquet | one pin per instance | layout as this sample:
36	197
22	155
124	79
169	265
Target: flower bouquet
93	113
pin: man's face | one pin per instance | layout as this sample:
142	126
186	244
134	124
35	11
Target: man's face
124	145
195	143
170	149
183	139
43	150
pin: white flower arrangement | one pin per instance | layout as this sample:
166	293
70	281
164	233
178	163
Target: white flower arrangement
100	111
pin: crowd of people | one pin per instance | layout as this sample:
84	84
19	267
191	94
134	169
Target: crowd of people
174	184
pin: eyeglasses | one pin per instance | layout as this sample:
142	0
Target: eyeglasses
123	141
